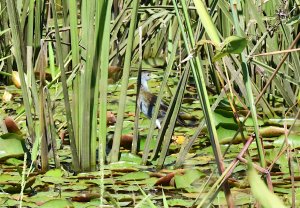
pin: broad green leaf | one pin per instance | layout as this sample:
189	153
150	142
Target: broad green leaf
76	187
222	117
231	45
189	176
129	157
10	178
225	135
180	203
143	141
293	140
134	176
249	121
54	173
54	180
121	165
11	145
14	161
57	203
241	199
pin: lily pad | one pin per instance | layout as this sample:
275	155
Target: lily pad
180	203
11	145
293	140
223	117
55	173
134	176
225	135
57	203
129	157
189	176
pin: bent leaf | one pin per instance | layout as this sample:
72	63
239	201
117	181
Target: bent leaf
231	45
260	191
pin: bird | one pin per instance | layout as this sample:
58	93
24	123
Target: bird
147	101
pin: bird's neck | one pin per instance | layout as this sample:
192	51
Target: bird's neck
144	84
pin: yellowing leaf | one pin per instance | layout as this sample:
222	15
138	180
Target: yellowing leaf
16	79
6	96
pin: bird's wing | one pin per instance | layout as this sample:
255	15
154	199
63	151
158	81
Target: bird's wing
164	106
147	101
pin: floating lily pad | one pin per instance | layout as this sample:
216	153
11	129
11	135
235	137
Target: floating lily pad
14	161
180	202
226	135
134	176
11	145
185	180
293	140
12	183
223	117
54	173
57	203
121	165
129	157
54	180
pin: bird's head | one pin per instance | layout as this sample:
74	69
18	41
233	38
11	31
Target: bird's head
145	76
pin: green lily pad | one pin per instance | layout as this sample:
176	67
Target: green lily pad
129	157
12	183
10	178
223	117
180	202
54	180
121	165
240	198
225	135
11	203
54	173
75	187
134	176
57	203
143	142
249	122
14	161
189	176
43	196
11	145
293	140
